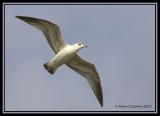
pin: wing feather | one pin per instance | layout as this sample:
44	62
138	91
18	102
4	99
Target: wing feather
88	71
50	30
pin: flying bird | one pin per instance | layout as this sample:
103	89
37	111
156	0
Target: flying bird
66	54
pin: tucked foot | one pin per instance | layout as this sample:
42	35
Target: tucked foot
51	71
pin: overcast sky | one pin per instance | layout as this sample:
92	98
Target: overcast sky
121	44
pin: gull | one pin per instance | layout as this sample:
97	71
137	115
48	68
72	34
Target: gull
66	54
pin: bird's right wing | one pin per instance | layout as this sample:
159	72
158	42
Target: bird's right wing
88	71
50	30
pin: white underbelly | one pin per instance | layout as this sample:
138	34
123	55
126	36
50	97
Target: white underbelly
61	58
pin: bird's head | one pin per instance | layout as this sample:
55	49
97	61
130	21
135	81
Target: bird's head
78	46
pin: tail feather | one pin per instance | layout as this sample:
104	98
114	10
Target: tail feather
51	71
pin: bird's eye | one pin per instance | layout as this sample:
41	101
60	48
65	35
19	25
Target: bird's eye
79	44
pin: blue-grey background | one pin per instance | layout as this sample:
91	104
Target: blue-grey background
121	44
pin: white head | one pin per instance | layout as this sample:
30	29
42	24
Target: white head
79	46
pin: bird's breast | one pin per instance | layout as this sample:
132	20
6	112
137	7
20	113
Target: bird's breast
63	56
66	53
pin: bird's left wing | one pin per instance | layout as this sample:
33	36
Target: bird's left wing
50	30
88	71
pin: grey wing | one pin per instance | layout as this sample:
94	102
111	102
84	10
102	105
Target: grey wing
50	30
88	71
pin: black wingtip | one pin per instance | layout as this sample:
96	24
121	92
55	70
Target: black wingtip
101	102
23	17
19	17
28	19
